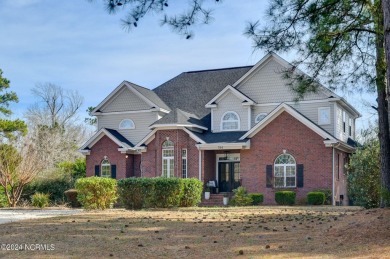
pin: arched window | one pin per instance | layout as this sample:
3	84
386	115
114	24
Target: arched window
106	168
230	121
168	158
285	171
259	117
127	124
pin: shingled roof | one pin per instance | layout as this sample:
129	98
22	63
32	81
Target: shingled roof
178	116
190	91
152	96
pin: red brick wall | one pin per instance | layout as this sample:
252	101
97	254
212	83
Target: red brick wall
106	147
307	147
152	159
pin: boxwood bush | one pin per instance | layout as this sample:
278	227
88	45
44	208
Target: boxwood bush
285	197
315	198
167	192
136	193
192	192
162	192
257	198
96	192
328	195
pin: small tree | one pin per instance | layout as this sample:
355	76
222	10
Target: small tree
17	169
364	180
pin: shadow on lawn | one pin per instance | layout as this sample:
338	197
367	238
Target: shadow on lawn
196	233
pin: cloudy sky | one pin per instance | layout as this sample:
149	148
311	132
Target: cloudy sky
76	44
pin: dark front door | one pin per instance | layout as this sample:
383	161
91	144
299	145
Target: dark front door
229	176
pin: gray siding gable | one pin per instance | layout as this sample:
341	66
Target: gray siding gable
125	100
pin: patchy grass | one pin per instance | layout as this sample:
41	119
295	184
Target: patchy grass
247	232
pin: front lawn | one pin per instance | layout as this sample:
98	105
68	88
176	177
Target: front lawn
247	232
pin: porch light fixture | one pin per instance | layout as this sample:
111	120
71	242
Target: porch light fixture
284	151
127	156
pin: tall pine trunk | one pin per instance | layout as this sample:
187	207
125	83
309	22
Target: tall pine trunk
383	113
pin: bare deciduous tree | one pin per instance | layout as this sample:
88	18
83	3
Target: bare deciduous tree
18	167
56	106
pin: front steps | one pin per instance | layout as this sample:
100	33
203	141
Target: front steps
215	200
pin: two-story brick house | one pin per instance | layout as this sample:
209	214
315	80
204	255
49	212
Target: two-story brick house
238	126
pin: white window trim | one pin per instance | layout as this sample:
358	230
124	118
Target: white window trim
120	127
168	159
258	115
186	165
105	165
238	120
284	172
320	110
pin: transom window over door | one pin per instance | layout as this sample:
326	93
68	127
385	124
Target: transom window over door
168	158
285	171
230	121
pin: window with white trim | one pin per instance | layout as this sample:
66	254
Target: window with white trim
344	118
285	171
184	163
127	124
350	126
230	121
168	158
106	168
259	117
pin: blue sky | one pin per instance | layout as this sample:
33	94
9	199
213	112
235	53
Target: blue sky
76	44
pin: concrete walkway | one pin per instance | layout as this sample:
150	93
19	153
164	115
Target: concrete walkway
10	215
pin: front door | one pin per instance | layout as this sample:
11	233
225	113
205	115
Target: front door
229	176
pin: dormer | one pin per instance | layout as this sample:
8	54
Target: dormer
230	110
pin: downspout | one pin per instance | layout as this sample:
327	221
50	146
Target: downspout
333	185
200	165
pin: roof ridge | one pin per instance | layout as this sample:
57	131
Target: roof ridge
216	69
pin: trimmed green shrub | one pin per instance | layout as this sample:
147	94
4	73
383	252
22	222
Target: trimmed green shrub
71	196
136	193
257	198
167	192
3	198
328	195
241	197
40	200
192	192
315	198
285	197
96	192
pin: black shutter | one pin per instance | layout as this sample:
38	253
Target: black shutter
268	171
97	167
113	171
300	175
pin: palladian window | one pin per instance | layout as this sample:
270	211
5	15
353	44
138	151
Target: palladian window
230	121
259	117
285	171
168	158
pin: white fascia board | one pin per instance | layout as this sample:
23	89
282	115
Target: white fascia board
339	145
85	152
175	126
124	112
276	112
350	108
95	138
224	146
193	136
234	91
105	100
254	68
116	90
142	141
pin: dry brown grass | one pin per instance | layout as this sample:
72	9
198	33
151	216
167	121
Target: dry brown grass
271	232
